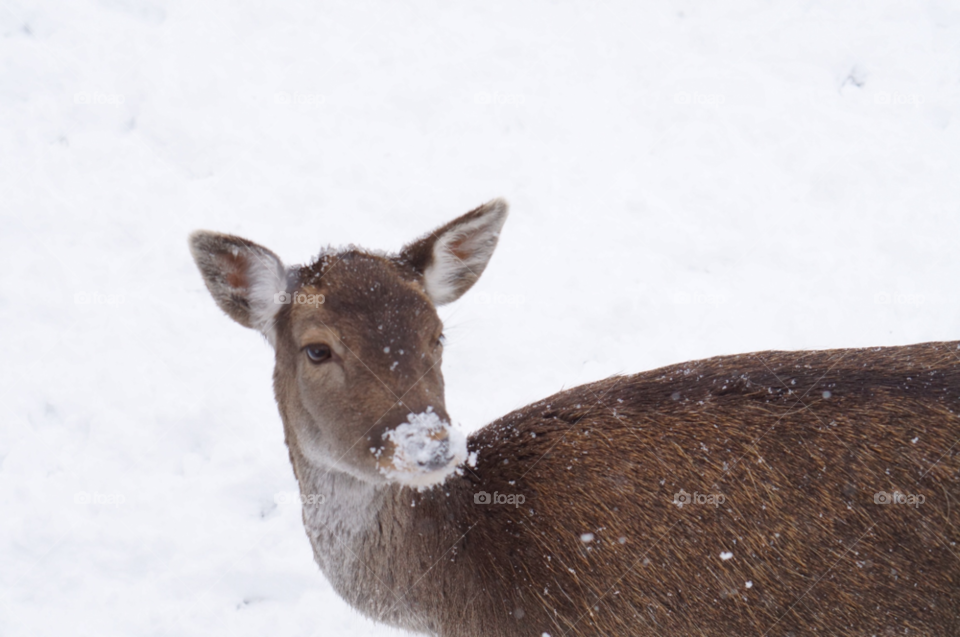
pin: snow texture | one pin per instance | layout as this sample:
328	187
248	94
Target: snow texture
426	450
686	179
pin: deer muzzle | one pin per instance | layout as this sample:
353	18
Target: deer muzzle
422	451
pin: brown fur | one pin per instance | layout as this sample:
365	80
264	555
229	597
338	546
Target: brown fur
796	443
798	472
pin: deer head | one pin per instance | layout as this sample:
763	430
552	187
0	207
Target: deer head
358	342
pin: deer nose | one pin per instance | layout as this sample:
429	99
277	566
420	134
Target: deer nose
439	458
422	451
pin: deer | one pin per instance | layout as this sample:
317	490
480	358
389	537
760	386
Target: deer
780	493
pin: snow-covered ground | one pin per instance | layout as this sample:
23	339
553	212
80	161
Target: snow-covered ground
686	178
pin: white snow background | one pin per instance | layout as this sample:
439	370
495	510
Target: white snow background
686	178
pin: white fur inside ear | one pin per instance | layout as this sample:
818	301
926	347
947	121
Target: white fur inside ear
460	256
267	293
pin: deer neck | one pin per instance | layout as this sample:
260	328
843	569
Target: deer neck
359	533
339	512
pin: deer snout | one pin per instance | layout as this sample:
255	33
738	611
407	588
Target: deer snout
422	451
437	460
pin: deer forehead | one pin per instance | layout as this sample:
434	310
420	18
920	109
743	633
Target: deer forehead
362	301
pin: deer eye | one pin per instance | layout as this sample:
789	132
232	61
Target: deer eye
318	353
441	340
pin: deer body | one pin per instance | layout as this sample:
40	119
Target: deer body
732	496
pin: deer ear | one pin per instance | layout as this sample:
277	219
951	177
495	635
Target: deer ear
246	280
452	257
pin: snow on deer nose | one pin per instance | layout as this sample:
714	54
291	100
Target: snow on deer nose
422	451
